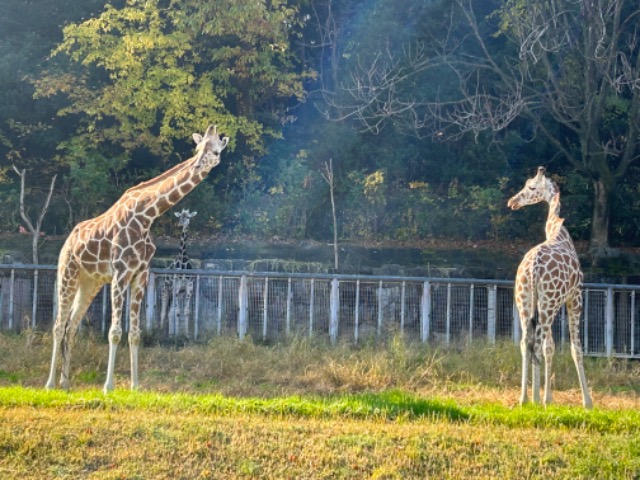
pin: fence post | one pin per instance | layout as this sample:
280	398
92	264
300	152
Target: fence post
491	312
517	329
334	305
196	314
471	301
265	305
289	298
34	307
608	326
425	310
447	335
219	312
585	327
357	312
150	300
243	303
402	299
379	329
311	301
12	280
633	322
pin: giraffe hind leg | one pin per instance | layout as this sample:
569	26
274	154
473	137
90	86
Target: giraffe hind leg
66	291
85	294
574	310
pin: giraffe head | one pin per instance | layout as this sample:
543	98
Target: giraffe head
184	217
208	148
536	189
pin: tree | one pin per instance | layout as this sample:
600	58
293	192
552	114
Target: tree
564	69
34	230
152	72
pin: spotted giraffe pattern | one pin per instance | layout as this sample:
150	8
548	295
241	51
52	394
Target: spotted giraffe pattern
548	277
116	248
177	290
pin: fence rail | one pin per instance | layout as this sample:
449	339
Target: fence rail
271	306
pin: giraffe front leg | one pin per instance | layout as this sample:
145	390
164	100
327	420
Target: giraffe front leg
574	309
535	363
58	332
526	348
118	292
137	294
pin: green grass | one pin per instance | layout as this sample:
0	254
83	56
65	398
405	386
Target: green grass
389	406
302	409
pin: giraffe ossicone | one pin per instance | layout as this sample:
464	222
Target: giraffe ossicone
116	248
548	277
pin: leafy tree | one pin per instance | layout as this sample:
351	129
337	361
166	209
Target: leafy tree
144	76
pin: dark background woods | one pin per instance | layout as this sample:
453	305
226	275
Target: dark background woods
432	112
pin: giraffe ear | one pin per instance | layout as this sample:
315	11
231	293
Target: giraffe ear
193	214
197	138
225	141
177	214
541	171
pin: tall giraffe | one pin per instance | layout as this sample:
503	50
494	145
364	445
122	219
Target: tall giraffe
178	287
116	248
548	277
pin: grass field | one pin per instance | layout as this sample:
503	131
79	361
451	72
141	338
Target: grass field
233	409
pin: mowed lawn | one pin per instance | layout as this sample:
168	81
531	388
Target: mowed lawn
196	418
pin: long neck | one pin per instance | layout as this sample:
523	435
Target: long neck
553	228
182	254
156	196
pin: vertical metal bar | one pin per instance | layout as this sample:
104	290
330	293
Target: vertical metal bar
289	298
402	298
196	314
219	307
608	330
173	321
585	326
491	312
243	300
517	329
471	305
311	301
265	305
447	335
150	300
357	312
425	312
334	305
633	322
11	288
34	307
379	329
104	309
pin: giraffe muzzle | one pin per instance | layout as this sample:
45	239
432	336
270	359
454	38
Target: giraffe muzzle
513	204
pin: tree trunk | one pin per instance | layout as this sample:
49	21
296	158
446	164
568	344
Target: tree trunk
599	241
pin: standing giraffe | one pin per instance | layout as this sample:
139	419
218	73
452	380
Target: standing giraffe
548	277
116	248
178	288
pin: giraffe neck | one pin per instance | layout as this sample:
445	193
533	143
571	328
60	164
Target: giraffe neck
182	260
151	199
554	228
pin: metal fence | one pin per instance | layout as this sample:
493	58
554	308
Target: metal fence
272	306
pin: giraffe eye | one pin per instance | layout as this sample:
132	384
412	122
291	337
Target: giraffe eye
532	188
